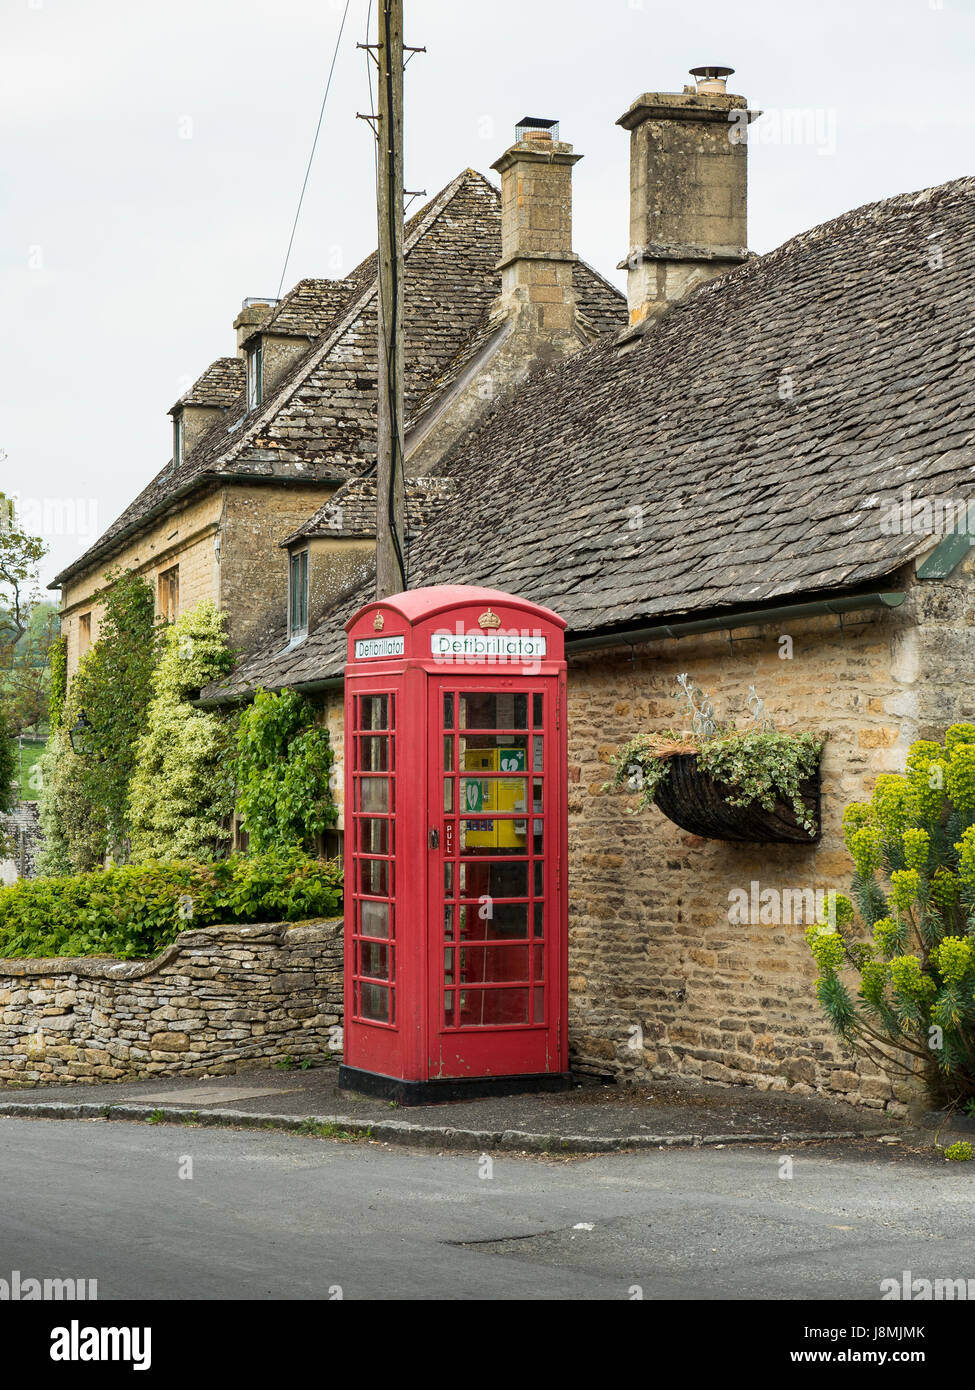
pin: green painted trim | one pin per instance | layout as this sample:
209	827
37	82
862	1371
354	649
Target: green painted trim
947	556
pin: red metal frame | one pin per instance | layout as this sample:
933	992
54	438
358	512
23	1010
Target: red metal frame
448	979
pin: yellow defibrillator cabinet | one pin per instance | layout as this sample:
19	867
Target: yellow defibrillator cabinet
495	794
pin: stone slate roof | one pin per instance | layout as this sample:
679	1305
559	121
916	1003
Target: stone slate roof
307	309
220	385
318	423
351	512
743	452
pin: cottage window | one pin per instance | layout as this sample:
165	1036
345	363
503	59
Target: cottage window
255	375
177	439
84	633
298	594
169	594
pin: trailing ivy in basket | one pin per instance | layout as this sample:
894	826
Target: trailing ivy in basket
758	763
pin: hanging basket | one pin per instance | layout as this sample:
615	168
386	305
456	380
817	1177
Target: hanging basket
699	803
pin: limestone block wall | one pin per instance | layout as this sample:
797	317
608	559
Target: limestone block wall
218	1000
662	982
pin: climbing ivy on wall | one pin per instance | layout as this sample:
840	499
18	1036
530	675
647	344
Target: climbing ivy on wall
84	800
284	765
58	659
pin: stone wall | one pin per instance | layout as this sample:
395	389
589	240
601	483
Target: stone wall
662	983
183	536
219	1000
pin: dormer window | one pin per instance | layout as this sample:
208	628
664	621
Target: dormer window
255	374
298	595
177	439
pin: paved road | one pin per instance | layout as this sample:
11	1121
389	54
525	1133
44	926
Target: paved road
271	1215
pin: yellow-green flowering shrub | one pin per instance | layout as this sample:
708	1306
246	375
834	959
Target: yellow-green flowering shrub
181	798
911	939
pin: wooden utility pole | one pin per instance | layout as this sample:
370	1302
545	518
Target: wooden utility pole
390	475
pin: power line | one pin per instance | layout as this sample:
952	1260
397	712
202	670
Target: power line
318	129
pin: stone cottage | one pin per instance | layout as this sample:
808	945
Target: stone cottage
265	440
749	482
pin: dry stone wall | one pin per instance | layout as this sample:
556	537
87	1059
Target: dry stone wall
218	1000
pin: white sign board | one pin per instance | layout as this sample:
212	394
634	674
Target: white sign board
487	646
367	648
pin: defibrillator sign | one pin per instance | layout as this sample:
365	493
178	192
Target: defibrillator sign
487	646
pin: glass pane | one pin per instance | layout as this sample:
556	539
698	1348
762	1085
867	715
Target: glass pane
491	921
448	880
538	837
485	1007
448	1009
374	919
374	753
448	965
537	803
448	794
539	926
448	711
537	711
448	753
539	1011
539	886
490	836
374	836
493	964
374	794
374	960
374	877
448	921
479	794
374	1003
538	964
505	879
493	752
537	754
374	711
493	710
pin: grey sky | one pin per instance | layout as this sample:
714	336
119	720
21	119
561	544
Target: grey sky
153	154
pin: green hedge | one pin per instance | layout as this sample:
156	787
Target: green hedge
137	909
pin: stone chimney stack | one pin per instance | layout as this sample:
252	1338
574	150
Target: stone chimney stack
536	230
250	318
688	189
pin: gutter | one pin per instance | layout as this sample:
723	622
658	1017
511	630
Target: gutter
756	617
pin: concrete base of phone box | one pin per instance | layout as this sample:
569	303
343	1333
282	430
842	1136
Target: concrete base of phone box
446	1088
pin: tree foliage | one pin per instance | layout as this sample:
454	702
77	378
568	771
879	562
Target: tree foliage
284	765
26	681
20	555
908	935
182	791
7	762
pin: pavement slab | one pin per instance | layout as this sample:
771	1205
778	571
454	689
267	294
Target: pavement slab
590	1117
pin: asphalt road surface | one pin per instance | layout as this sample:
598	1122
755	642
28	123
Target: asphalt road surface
275	1216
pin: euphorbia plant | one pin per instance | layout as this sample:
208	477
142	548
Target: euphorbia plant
909	932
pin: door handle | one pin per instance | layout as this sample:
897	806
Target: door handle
434	838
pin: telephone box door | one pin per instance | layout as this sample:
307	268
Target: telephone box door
496	940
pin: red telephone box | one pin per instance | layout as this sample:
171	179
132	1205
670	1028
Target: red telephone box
455	846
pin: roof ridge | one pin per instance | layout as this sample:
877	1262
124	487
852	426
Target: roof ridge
297	379
880	207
